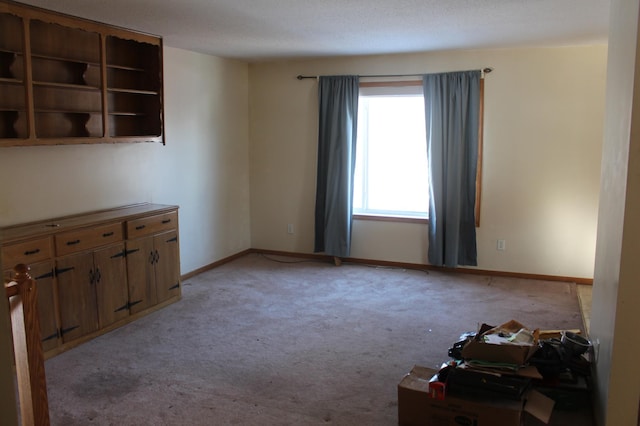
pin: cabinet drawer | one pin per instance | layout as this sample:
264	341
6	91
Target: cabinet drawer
28	252
152	224
84	239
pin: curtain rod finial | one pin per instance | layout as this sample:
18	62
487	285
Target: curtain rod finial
487	70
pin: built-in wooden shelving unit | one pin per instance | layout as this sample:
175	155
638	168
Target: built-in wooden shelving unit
66	80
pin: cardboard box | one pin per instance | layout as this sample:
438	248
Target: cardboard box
501	353
417	408
506	354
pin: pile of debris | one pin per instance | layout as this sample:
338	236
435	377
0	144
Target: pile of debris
497	374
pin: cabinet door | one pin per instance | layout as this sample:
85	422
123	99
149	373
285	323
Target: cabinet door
140	274
110	278
42	273
76	295
167	265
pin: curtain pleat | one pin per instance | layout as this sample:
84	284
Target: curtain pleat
452	104
338	120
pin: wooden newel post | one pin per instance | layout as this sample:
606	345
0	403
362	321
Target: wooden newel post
25	325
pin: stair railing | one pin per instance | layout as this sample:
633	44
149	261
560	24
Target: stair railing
27	347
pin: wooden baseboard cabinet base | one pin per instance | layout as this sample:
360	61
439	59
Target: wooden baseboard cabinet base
97	271
391	264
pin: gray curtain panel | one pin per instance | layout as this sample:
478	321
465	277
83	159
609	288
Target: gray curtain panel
338	122
452	104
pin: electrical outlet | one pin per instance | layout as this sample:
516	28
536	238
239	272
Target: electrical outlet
501	245
290	228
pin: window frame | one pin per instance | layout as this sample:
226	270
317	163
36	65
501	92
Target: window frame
408	219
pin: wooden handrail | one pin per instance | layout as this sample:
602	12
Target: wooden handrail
27	347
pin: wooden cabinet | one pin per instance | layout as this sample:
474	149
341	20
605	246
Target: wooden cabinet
77	296
152	273
43	273
67	98
97	271
92	290
66	80
38	254
152	256
133	87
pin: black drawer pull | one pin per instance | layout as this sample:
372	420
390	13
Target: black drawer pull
72	243
123	307
51	336
166	221
64	331
30	252
107	234
141	227
45	275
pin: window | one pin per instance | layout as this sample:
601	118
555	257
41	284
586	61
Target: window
391	174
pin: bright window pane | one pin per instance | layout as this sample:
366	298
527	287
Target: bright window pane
391	164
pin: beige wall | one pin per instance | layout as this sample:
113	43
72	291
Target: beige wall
203	168
543	137
616	291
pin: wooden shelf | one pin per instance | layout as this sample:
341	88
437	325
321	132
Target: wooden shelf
6	80
125	68
76	81
54	40
65	111
126	113
133	91
12	124
67	86
47	70
13	104
11	65
58	58
62	124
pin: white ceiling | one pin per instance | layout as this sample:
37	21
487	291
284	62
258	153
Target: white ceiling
269	29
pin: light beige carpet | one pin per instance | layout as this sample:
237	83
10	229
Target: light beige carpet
260	342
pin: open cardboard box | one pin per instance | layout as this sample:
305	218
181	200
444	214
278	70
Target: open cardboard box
500	353
417	407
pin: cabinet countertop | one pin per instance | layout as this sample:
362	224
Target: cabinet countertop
18	232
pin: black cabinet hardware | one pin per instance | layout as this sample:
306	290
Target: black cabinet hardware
134	303
51	336
45	275
128	252
64	331
59	271
122	308
123	253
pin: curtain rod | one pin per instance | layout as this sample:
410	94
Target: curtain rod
301	77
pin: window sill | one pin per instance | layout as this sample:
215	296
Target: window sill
380	218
